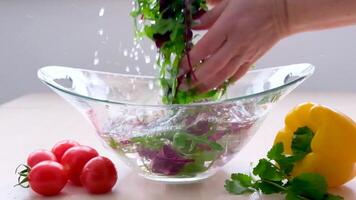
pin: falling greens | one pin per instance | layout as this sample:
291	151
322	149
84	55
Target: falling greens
169	24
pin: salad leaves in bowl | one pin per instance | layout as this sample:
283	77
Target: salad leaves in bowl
175	143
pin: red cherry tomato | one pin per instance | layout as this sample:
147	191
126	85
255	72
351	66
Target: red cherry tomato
47	178
99	175
39	156
74	159
61	147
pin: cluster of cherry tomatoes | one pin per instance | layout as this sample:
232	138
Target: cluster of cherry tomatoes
47	172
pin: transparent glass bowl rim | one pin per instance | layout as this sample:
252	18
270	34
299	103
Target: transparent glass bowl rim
309	69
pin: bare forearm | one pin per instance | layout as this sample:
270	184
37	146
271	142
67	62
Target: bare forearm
311	15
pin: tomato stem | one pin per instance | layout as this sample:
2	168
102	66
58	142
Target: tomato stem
22	179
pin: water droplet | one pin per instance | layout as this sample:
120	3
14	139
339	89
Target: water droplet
127	69
150	85
136	53
136	57
101	12
96	61
155	66
147	59
96	53
137	69
125	52
131	55
101	31
152	47
157	56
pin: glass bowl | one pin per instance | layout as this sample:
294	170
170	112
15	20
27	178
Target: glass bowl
172	143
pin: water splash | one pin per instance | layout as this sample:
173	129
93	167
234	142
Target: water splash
150	85
127	69
101	12
147	59
96	61
101	32
152	47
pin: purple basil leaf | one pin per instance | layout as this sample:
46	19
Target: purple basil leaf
147	153
201	128
168	161
216	136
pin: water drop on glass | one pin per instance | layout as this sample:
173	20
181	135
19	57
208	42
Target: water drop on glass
127	69
96	53
125	52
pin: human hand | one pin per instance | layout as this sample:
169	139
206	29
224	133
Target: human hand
240	32
213	2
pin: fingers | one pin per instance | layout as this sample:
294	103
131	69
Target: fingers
220	77
207	46
240	72
244	68
210	17
213	2
209	68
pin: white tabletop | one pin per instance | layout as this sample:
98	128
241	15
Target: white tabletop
40	120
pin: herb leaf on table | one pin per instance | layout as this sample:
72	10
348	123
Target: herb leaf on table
272	175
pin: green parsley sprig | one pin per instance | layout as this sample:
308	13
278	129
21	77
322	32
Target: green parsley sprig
272	174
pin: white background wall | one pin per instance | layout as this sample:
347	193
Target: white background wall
35	33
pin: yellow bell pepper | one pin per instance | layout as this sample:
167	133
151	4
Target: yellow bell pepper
333	146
